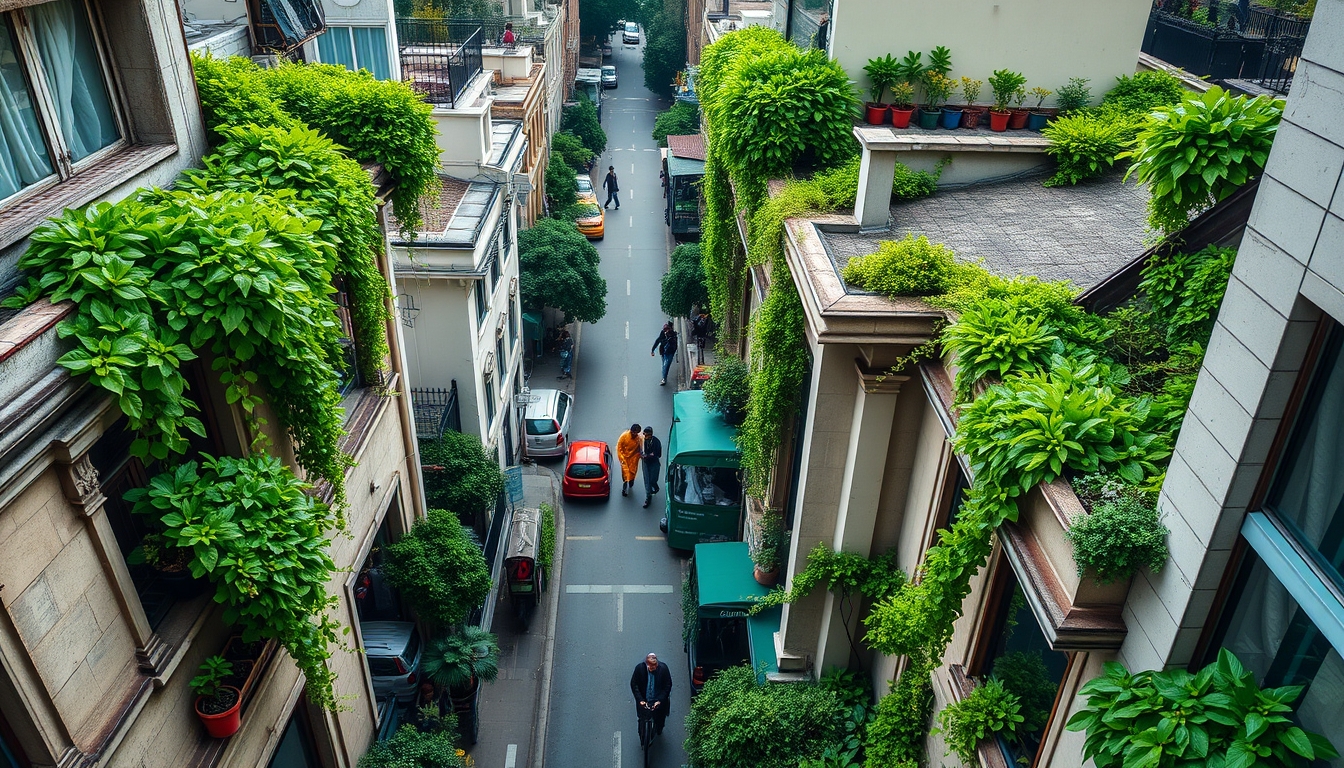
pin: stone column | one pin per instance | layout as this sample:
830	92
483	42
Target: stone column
79	480
877	170
865	462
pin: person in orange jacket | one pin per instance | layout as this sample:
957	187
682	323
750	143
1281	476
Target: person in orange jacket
628	450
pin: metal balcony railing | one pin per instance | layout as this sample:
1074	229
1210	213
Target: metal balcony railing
439	58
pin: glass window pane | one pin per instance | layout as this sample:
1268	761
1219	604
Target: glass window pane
1279	643
1309	489
1028	668
23	152
371	51
296	748
333	47
74	76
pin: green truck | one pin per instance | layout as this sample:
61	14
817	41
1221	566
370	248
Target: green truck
703	481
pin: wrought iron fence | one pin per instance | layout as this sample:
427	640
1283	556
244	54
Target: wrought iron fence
439	57
1283	36
1227	40
436	411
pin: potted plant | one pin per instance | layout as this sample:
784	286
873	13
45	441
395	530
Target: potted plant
937	87
902	104
460	660
217	704
970	113
728	389
911	70
766	546
1017	117
1037	118
170	564
1004	83
883	73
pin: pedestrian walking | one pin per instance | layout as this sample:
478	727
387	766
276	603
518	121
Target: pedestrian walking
701	327
566	355
612	187
651	453
666	345
628	450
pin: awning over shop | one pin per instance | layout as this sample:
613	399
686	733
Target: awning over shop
700	437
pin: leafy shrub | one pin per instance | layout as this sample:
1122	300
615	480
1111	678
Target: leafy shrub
895	738
1085	145
1004	83
546	549
683	286
1122	533
846	573
1186	289
465	655
581	120
459	475
1023	674
840	185
410	748
995	338
664	43
1200	151
987	710
233	92
571	151
729	387
736	722
1143	91
682	119
562	187
1217	717
1073	96
558	268
909	267
439	568
912	185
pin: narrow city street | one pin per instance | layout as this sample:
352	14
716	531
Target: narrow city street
621	584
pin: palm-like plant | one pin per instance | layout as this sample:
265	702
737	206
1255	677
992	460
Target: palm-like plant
465	655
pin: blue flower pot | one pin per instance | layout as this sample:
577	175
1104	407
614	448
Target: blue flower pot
951	118
1037	120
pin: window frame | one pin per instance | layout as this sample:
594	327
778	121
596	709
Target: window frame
354	49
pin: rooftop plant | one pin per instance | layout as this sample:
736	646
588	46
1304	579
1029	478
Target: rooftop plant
902	94
940	60
1041	95
937	88
1004	83
439	568
909	267
1073	95
970	90
883	73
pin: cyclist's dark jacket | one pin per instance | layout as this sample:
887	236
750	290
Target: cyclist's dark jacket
662	685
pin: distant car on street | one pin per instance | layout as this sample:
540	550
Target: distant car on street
591	224
587	471
392	649
606	50
608	76
547	422
631	34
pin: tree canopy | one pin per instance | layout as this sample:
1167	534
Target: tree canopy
581	120
664	44
561	185
559	268
684	283
599	17
682	119
460	476
439	568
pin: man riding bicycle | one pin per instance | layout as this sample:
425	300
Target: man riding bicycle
651	684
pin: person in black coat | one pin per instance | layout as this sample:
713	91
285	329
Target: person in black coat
651	684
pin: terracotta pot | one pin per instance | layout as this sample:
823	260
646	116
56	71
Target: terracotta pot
876	114
1017	119
998	121
971	117
766	578
226	723
900	118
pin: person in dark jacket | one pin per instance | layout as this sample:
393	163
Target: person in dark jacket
651	453
612	188
666	345
652	686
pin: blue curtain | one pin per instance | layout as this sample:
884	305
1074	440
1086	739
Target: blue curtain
371	51
23	151
74	76
333	47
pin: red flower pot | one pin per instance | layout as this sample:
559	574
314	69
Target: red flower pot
223	724
900	118
998	121
1017	119
876	114
971	117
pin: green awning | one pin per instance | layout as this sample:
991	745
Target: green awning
681	166
723	576
532	324
700	437
761	630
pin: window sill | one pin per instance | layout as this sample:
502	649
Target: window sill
20	217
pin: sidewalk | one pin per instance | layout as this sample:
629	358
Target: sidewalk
511	708
546	368
688	352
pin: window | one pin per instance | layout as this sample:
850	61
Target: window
481	306
356	48
707	486
349	369
56	107
375	599
585	471
297	748
489	401
513	328
500	359
562	407
494	266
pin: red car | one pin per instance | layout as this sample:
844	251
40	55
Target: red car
587	471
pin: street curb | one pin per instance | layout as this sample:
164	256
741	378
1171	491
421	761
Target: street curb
548	655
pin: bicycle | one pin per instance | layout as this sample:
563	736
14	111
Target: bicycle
647	731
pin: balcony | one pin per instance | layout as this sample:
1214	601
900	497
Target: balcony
439	58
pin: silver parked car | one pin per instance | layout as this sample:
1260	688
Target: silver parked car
393	652
547	422
608	76
630	35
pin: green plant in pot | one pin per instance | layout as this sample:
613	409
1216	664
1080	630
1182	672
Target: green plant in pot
971	114
172	565
902	104
767	547
217	704
459	660
937	87
912	70
729	389
1004	83
1017	116
884	73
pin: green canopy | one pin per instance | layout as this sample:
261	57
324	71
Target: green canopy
700	437
723	576
682	166
761	630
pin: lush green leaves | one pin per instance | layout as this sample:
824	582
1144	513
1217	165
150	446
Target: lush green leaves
411	748
876	578
460	656
909	267
1144	91
683	285
1121	533
681	119
571	150
664	46
895	738
1186	289
1073	95
988	710
439	568
459	475
729	387
1086	143
562	186
559	268
581	120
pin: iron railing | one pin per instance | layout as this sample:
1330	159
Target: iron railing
1283	36
1227	40
439	58
436	411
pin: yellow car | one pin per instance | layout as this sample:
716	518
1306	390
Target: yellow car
592	224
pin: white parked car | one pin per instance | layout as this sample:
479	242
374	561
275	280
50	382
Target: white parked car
631	33
547	422
608	76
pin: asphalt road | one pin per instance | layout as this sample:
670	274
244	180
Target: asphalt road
621	585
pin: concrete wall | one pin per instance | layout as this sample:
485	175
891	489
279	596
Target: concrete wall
1049	41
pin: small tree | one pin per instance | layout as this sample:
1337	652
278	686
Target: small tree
561	186
568	148
559	268
459	475
682	119
664	44
684	283
581	119
439	568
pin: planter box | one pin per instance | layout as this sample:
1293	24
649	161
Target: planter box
247	680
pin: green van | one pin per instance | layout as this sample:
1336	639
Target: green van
721	634
704	487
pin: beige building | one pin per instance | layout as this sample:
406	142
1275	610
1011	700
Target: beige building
522	95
